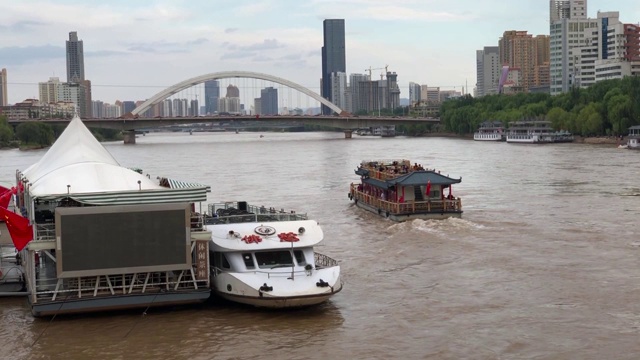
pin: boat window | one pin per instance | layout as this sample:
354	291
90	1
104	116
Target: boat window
248	260
300	257
273	259
221	260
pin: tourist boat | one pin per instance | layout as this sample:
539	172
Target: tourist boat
265	257
490	131
92	235
633	142
400	191
535	132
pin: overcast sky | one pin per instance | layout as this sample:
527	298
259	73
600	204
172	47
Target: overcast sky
134	48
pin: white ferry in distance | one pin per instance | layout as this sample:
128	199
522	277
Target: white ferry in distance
633	142
490	131
535	132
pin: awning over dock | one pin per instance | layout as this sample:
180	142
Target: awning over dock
177	184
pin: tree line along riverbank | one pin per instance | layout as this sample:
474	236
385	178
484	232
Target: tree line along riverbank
36	134
607	108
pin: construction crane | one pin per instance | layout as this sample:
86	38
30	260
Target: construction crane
370	69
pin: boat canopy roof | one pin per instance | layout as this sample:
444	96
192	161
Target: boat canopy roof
77	166
225	241
414	178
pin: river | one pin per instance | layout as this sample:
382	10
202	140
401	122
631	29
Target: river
544	263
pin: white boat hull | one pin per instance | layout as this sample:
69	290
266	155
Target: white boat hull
302	291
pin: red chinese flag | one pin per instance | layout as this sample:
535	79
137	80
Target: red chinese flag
19	228
5	197
428	192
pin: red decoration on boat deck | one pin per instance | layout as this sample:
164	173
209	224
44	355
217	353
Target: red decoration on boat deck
290	237
252	239
20	230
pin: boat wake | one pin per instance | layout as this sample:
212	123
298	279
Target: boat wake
446	226
630	194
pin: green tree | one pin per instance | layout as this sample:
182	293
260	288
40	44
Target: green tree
591	120
35	133
6	132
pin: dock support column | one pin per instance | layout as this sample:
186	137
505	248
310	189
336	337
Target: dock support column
130	137
348	134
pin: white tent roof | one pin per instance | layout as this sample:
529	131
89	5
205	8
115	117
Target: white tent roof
91	177
77	159
75	145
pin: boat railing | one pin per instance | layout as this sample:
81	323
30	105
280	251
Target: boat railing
233	212
280	273
45	232
408	207
323	261
52	288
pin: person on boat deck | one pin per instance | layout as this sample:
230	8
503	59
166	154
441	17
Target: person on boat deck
383	196
401	200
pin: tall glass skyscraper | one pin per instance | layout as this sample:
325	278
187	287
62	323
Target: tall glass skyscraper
75	59
211	96
333	56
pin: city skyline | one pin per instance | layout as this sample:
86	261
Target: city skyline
129	47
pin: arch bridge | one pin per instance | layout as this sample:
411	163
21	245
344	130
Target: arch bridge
226	75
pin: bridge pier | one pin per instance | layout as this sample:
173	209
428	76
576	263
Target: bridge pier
348	134
130	137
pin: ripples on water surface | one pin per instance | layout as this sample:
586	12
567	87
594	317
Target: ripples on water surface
543	264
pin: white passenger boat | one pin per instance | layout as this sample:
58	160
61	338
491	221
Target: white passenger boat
490	131
633	142
265	257
535	132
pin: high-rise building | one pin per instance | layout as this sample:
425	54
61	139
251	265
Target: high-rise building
568	19
609	51
257	106
97	109
88	111
414	93
487	70
4	101
194	108
49	91
333	56
211	96
233	91
75	59
269	101
128	106
357	98
167	108
373	96
73	92
339	89
229	105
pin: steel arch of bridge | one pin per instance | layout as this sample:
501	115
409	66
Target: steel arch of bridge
226	75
